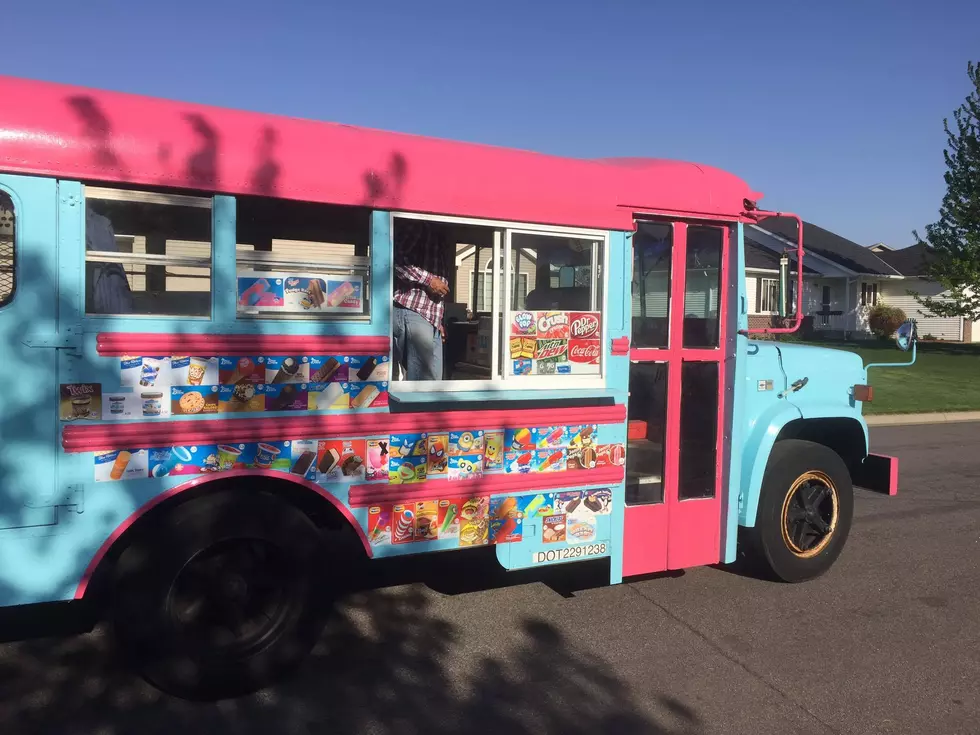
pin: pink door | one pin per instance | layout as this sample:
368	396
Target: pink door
678	414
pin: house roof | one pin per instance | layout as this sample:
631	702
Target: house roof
759	256
910	261
835	248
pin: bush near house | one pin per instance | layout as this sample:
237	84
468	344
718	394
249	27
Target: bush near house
883	320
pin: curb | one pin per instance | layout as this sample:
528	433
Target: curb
910	419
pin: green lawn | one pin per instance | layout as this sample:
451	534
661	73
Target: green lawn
945	377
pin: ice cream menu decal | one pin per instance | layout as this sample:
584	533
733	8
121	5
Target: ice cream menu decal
261	292
555	343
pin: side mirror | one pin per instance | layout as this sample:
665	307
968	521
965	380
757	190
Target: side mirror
906	335
784	307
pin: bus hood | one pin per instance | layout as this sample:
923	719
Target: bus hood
830	374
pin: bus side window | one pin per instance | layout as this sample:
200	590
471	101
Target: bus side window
302	260
147	253
8	274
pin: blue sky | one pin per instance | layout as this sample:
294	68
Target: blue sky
833	110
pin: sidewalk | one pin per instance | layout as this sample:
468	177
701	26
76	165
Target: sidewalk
909	419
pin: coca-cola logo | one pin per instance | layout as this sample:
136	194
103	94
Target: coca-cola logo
584	351
584	326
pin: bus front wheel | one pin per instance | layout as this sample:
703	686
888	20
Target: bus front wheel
805	511
217	600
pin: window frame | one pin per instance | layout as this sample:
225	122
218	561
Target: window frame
120	194
498	382
761	286
5	302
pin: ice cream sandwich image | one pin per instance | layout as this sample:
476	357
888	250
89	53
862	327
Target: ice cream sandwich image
365	397
329	461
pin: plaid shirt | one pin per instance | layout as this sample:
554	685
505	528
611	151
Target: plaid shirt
420	256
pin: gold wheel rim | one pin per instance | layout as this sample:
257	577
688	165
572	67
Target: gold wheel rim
812	516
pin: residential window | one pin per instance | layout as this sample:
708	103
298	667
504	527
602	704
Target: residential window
147	253
301	260
767	296
8	275
869	294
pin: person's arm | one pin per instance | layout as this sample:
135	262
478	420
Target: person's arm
414	274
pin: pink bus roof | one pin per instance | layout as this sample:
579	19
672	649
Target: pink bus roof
90	135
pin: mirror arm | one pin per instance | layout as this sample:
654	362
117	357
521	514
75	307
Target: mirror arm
893	364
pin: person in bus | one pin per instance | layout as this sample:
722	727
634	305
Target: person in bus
421	285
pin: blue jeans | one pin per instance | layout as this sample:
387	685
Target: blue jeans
417	345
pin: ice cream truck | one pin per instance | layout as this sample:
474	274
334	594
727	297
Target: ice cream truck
202	395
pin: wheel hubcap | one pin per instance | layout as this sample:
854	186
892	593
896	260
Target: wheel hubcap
810	513
230	597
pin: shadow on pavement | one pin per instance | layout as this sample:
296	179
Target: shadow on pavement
387	663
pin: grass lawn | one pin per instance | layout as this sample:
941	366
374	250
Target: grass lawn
945	377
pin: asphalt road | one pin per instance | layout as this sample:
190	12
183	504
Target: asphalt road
887	642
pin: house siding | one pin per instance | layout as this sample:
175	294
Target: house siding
895	293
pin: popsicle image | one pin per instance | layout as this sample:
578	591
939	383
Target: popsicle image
552	459
337	296
583	436
522	439
508	506
328	396
534	505
367	368
253	294
315	292
506	529
553	437
450	517
326	372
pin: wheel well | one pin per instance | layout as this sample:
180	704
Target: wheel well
316	507
843	435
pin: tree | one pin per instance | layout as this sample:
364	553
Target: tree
955	238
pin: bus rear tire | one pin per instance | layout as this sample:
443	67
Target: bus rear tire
217	600
805	511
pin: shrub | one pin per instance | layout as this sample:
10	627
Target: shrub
884	320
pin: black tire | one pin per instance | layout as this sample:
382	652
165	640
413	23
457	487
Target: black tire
217	599
805	511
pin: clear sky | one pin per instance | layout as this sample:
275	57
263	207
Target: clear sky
832	109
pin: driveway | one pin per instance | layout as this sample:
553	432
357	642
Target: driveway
887	642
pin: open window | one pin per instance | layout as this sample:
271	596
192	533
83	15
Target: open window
300	260
147	253
522	306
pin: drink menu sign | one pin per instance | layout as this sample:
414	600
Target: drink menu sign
261	292
554	343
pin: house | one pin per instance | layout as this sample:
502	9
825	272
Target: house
842	281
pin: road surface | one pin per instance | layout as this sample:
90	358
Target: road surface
887	642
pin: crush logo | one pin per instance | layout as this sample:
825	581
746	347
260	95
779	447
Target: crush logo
584	326
584	351
553	325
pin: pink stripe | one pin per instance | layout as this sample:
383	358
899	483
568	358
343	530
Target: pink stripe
893	477
197	482
620	346
122	343
101	437
362	495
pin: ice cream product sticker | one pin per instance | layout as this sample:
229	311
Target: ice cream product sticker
610	455
582	458
194	371
427	520
368	395
243	397
493	451
118	406
379	525
235	370
329	369
299	293
370	369
272	456
122	464
520	462
328	396
465	467
228	455
291	369
377	459
145	372
303	456
553	529
449	517
260	292
289	397
542	504
171	461
550	436
581	528
189	400
583	436
409	445
598	501
506	520
566	499
403	524
518	439
550	460
81	401
406	470
341	460
465	442
437	451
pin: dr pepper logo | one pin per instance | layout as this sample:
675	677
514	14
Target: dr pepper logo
584	325
552	325
583	351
